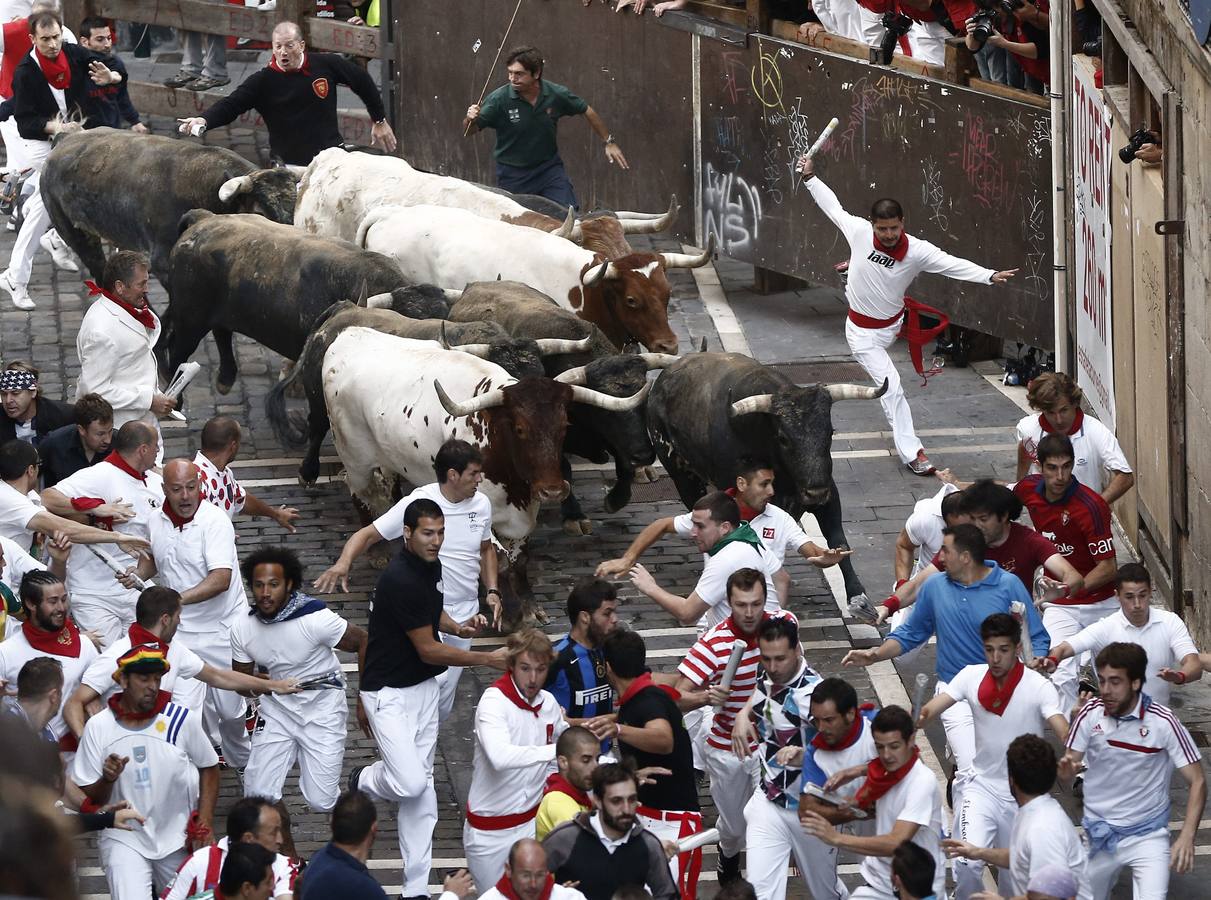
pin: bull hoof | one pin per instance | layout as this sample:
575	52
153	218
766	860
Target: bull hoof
223	387
646	475
578	527
617	497
540	616
304	483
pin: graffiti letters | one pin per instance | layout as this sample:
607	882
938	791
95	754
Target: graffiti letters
981	163
731	211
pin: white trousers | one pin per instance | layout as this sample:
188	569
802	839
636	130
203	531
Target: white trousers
866	892
732	784
985	820
928	42
223	712
35	224
107	616
404	722
1148	858
1062	622
132	876
16	151
488	851
319	749
673	826
869	347
961	738
447	681
773	835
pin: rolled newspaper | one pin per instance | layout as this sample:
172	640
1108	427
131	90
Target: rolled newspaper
699	839
1018	610
918	695
185	373
833	799
329	681
116	567
733	663
824	136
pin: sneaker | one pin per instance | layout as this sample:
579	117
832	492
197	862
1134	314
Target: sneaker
181	79
59	251
728	869
862	610
18	292
206	83
921	465
355	776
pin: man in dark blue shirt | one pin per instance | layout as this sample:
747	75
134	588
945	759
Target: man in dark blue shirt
577	677
111	102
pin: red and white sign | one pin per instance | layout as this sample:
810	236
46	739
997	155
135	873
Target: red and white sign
1091	157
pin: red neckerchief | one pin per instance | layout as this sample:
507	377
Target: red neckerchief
65	642
879	781
57	71
303	69
851	736
506	888
645	681
115	459
747	513
140	635
995	699
176	520
1077	422
750	641
556	783
144	316
506	686
115	704
897	252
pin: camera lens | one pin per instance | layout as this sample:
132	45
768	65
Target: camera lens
1092	48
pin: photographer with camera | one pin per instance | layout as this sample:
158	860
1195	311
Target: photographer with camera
1018	29
1143	145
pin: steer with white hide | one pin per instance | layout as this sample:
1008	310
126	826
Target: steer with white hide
708	410
626	298
394	401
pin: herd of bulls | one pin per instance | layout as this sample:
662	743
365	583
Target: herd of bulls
478	315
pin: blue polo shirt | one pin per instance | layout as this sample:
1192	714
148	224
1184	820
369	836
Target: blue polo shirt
334	873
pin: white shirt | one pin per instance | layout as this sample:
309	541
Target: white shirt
203	867
1043	835
514	753
876	282
1127	779
468	525
117	362
16	651
778	530
1033	702
1097	450
924	527
161	779
297	648
16	511
17	562
182	662
914	799
85	573
221	488
558	892
185	556
830	762
1164	638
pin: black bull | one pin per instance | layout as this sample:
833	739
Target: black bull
700	434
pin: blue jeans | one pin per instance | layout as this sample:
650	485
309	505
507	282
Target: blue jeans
550	180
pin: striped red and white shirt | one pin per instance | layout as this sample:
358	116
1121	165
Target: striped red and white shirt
200	872
705	663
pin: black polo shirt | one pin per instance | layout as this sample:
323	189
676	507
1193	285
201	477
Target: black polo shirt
63	454
673	793
408	596
525	132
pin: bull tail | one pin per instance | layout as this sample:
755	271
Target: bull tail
371	219
290	429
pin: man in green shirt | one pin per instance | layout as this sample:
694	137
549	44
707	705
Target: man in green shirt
524	114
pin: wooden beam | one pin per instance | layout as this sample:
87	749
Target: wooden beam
834	43
193	15
1009	93
721	12
341	37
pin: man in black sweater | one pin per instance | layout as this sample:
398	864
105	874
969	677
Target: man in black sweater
296	96
111	101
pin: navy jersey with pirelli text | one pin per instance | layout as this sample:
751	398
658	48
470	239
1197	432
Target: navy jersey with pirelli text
577	678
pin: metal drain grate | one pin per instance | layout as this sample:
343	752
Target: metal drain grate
824	372
661	489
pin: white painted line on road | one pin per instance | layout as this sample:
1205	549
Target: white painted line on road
710	290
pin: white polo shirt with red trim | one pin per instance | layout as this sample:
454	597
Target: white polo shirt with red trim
1164	638
1097	450
201	873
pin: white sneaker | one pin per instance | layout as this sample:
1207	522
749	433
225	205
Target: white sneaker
59	251
20	295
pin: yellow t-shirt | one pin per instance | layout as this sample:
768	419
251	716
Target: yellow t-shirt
555	809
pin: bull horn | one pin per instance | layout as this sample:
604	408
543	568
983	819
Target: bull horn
758	403
590	279
658	360
241	184
441	335
690	260
379	301
583	394
297	171
702	345
855	391
363	293
565	230
578	375
469	407
480	350
662	222
554	346
452	295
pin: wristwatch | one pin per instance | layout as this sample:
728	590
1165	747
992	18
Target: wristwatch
610	139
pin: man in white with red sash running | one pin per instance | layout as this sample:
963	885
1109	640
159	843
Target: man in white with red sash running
883	263
516	726
903	794
120	493
1006	700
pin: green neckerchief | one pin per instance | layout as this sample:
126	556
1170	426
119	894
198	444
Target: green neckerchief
744	534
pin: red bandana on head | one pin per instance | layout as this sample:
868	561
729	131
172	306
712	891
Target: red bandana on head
645	681
996	699
64	642
879	781
1077	422
303	69
506	888
57	71
143	316
897	252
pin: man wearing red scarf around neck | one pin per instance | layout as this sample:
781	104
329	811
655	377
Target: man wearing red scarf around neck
1006	700
516	726
904	795
48	630
883	262
121	494
526	877
145	750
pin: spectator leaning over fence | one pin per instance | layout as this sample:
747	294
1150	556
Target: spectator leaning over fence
296	96
111	101
1024	36
203	62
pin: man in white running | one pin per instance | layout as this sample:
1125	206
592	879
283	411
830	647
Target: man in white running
526	877
220	445
1006	699
883	262
516	726
467	553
